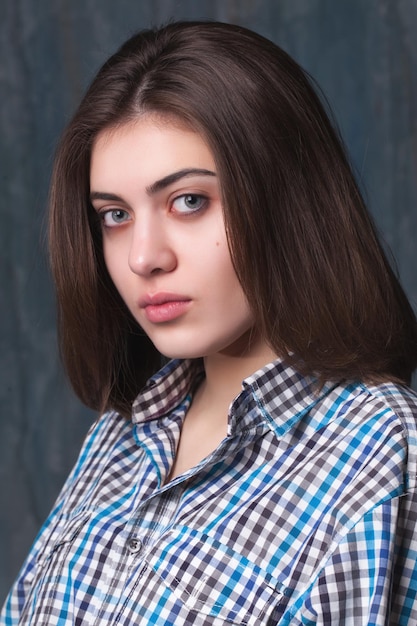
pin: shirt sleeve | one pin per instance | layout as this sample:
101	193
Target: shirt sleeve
16	599
371	578
15	602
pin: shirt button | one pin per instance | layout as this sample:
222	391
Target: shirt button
134	545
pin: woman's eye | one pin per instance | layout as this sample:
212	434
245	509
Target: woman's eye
189	203
114	217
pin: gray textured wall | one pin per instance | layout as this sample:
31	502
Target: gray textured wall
362	52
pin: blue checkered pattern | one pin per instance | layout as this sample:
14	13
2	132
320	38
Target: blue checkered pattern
304	515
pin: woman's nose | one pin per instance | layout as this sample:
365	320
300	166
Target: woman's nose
151	252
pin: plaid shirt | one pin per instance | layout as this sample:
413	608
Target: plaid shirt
304	514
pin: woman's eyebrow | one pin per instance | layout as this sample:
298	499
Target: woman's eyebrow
157	186
160	184
102	195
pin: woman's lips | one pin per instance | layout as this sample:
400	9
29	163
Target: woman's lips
161	308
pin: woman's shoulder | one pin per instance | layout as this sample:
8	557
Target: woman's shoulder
107	437
384	417
401	402
399	399
360	400
109	431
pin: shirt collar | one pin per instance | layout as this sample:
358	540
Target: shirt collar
276	394
166	389
282	395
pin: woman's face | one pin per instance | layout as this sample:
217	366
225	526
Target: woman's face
155	187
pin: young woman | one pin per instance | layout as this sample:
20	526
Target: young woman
203	209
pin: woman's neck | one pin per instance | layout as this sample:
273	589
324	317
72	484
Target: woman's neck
205	424
226	370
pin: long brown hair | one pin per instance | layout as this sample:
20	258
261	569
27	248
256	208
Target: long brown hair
304	247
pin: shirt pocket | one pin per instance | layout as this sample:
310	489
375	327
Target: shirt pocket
62	538
212	579
51	572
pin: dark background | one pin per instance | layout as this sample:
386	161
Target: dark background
363	54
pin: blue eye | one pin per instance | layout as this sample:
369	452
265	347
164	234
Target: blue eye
114	217
189	203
